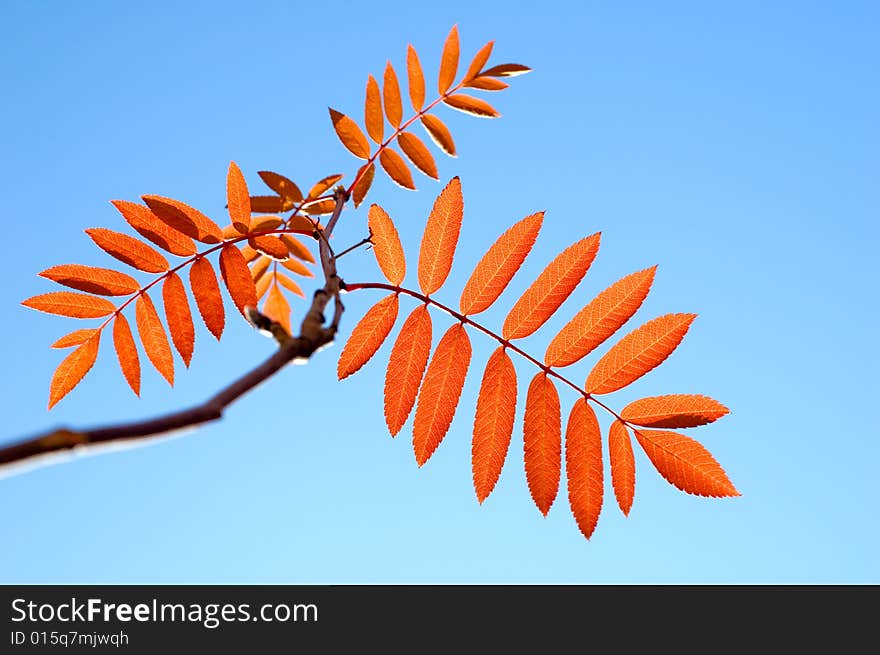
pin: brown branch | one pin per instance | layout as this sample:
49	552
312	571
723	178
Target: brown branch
313	336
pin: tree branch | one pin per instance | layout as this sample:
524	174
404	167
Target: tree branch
313	337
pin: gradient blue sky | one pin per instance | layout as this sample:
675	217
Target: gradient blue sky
734	145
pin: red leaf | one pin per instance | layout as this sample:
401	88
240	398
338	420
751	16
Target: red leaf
406	366
179	317
386	245
367	336
127	249
126	352
623	465
73	369
583	466
673	411
70	303
440	238
685	463
150	227
493	424
153	337
506	70
638	352
91	279
542	441
440	392
183	218
75	338
271	246
237	277
203	282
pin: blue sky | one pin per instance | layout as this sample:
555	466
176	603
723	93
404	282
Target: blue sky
734	146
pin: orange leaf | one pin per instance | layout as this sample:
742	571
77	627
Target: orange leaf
500	263
296	248
238	199
416	79
203	282
493	423
319	207
638	352
478	61
350	135
297	267
179	317
263	285
601	318
365	176
91	279
325	183
75	338
506	70
267	204
150	227
265	223
289	284
396	168
271	246
623	466
440	392
391	95
153	337
373	118
418	153
367	336
542	441
440	237
471	105
277	308
550	289
127	249
126	352
70	303
259	268
183	218
583	466
448	61
673	411
249	253
281	185
237	278
685	463
386	245
487	84
439	134
406	366
73	369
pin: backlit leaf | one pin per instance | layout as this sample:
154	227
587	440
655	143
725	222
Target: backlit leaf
493	423
350	135
70	303
601	318
91	279
238	199
183	218
365	176
638	352
277	308
583	466
555	283
267	204
262	285
126	352
478	61
265	223
391	96
149	226
623	465
416	79
487	84
500	263
506	70
320	207
297	267
685	463
284	187
153	337
373	118
440	392
440	237
237	278
73	369
260	267
673	411
179	317
470	105
406	366
75	338
289	284
448	61
439	134
542	441
206	290
324	184
396	168
418	153
127	249
297	248
386	245
367	336
271	246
